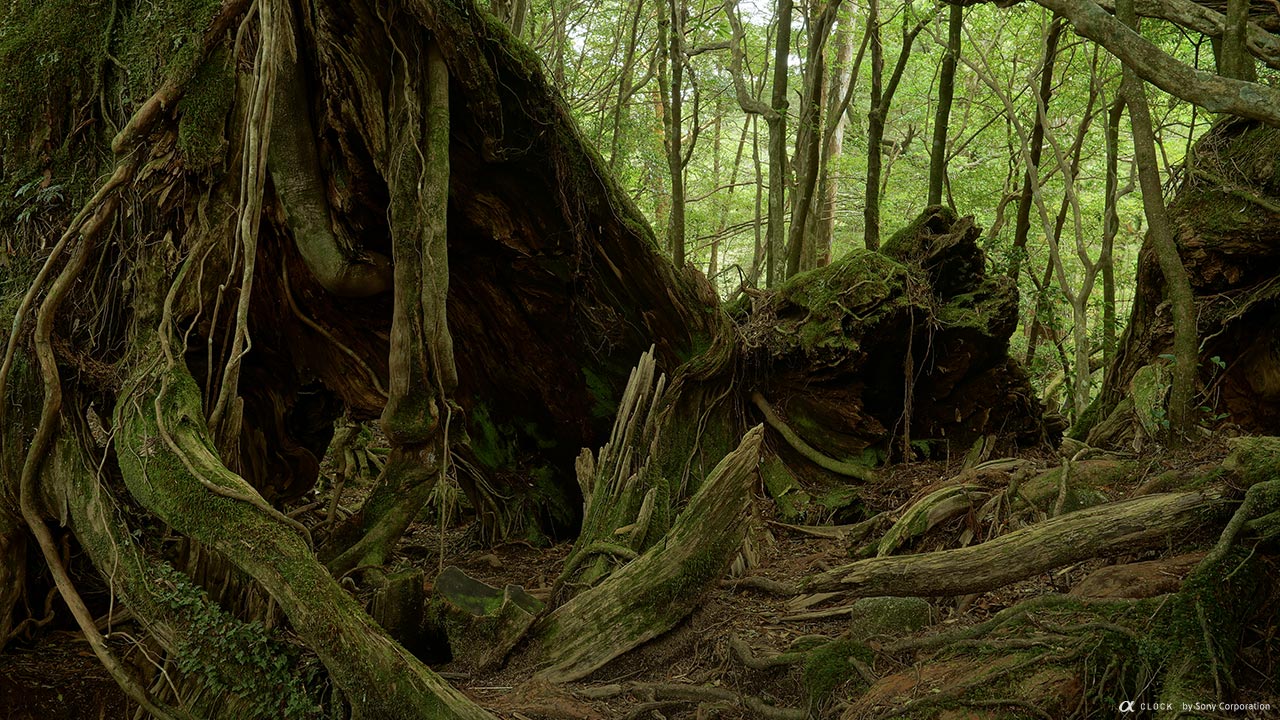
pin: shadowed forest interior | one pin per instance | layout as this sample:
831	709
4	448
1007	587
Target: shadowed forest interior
537	359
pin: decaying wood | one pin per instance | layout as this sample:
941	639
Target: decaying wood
620	485
656	590
1146	522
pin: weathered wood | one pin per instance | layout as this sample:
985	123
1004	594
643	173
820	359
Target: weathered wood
656	590
1144	523
620	486
483	623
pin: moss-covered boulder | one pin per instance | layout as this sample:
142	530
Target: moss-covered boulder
892	616
1254	459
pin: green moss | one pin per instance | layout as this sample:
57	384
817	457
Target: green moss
550	497
905	243
831	666
160	41
1254	459
492	447
202	112
1087	420
51	53
893	616
833	303
675	595
783	488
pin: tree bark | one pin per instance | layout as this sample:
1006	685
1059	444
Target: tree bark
1177	283
942	117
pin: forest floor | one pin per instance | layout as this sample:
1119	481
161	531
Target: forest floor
697	670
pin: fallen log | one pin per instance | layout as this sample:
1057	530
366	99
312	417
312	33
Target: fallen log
1130	526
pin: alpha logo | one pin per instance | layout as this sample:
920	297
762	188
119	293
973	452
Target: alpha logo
1127	706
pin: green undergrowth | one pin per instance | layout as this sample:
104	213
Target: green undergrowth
242	659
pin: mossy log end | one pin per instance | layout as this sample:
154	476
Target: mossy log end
649	595
878	348
1143	523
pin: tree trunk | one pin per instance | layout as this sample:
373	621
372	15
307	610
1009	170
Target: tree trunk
946	92
1022	225
1177	284
775	232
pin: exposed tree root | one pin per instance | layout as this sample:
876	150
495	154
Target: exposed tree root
811	454
700	693
358	654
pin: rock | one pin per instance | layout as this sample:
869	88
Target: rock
894	616
1254	459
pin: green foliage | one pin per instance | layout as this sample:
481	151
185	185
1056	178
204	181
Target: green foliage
43	55
621	110
238	658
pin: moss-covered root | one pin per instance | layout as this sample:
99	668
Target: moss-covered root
227	668
170	469
1143	523
655	591
810	453
1201	626
402	490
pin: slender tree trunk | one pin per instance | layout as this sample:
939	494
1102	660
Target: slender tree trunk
882	100
809	135
625	84
1110	228
777	123
875	131
674	94
1022	225
946	92
1236	61
841	83
757	225
1160	232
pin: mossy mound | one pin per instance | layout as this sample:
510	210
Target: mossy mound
919	332
893	616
